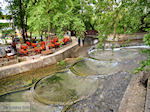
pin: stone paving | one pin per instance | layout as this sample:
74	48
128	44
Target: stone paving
134	97
147	103
108	96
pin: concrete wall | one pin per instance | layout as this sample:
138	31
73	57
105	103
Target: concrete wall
38	62
123	37
90	41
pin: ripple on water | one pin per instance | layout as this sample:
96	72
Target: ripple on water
108	62
64	88
93	67
117	54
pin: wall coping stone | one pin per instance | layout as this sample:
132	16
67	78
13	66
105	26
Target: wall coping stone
18	68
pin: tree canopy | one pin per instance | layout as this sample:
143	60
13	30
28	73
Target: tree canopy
105	16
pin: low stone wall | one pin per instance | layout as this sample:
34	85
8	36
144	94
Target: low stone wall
147	103
134	96
123	37
110	44
38	62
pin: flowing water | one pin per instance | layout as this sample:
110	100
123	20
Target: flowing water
64	88
92	84
94	67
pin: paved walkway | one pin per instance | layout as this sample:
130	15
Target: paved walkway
134	97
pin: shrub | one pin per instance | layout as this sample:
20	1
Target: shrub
147	39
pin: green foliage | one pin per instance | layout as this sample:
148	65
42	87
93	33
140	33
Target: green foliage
55	16
145	65
4	25
147	39
18	9
62	63
0	11
124	16
105	16
54	79
8	32
146	51
79	59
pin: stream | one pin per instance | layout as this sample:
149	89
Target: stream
93	84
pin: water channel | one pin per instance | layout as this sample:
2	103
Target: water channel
93	84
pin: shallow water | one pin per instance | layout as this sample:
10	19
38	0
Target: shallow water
64	88
14	97
94	67
26	96
116	54
109	62
82	81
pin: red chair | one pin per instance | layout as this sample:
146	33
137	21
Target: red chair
23	47
54	40
33	45
23	52
43	47
51	45
37	50
28	43
65	40
42	43
57	44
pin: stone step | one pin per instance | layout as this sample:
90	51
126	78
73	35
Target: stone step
147	104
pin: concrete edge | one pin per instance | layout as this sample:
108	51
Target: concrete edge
39	62
147	103
134	97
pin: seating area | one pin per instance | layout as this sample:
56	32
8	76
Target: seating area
27	50
44	47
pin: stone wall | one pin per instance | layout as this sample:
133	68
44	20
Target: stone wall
123	37
147	102
38	62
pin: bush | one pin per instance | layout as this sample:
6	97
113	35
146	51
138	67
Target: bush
146	63
62	63
147	39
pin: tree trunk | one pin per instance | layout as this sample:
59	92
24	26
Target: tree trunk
23	35
42	36
92	26
22	19
25	27
31	35
143	24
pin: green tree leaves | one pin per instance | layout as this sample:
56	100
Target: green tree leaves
55	16
105	16
147	39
